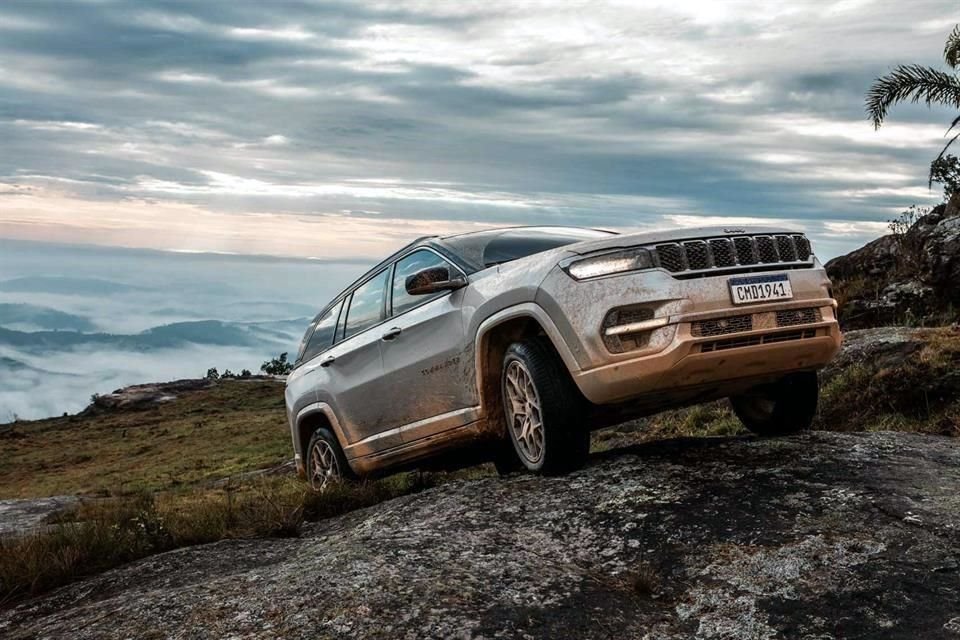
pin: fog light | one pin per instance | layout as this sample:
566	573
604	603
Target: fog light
628	328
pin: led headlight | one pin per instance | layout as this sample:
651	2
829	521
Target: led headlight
609	263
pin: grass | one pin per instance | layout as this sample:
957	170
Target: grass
232	427
698	421
105	533
919	392
146	475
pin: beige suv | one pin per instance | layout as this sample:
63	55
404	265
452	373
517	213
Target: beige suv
513	344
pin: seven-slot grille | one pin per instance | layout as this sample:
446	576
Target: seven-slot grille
729	253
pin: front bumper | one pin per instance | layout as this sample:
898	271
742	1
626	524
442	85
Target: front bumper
743	356
674	356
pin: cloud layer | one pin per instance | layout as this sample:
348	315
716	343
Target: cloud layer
344	129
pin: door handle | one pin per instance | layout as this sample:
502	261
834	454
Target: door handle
326	362
393	333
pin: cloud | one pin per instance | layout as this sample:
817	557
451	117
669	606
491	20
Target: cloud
236	126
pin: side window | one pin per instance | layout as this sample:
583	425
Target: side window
366	305
322	336
423	259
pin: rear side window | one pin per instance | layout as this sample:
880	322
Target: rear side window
416	261
366	305
322	336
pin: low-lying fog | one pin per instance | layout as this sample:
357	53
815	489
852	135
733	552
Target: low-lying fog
75	321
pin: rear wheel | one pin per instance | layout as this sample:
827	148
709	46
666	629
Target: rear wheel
326	464
542	410
780	408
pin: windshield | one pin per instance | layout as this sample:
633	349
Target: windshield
489	248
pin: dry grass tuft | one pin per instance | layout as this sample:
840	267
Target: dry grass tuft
918	392
645	581
104	533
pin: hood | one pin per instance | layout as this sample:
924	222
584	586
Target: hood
673	235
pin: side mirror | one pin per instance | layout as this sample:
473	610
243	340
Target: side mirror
433	280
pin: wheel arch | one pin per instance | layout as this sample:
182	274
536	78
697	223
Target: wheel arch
311	418
495	335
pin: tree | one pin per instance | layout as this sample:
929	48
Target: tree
212	374
946	171
917	83
278	366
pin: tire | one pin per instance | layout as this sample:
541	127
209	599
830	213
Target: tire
559	443
325	451
505	459
780	408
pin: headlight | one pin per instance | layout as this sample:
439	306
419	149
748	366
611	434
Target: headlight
608	263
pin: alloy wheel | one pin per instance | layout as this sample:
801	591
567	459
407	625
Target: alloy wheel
324	469
525	413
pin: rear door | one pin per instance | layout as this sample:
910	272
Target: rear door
355	369
422	346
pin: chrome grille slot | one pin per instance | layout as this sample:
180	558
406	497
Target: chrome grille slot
696	255
788	253
793	317
671	257
722	253
721	326
766	249
745	250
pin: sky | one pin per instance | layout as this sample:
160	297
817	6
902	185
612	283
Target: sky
341	130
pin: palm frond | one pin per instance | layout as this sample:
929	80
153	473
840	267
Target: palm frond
915	83
951	52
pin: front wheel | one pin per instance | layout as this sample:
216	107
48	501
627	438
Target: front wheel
542	409
780	408
326	464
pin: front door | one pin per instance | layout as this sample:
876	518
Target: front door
422	344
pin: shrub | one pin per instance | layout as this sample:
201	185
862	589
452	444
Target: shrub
278	366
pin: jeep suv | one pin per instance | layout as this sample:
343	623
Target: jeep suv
514	343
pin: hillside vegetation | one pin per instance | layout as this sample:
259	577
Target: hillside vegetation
894	378
153	472
214	431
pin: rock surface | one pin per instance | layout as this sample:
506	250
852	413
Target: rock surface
823	535
143	395
23	516
910	277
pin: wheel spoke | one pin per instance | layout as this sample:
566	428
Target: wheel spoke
325	469
524	412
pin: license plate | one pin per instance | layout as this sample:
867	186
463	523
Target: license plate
752	289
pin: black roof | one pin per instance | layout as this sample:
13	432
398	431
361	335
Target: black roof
466	250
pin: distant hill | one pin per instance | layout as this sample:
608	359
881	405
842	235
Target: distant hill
282	334
16	367
64	285
28	317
